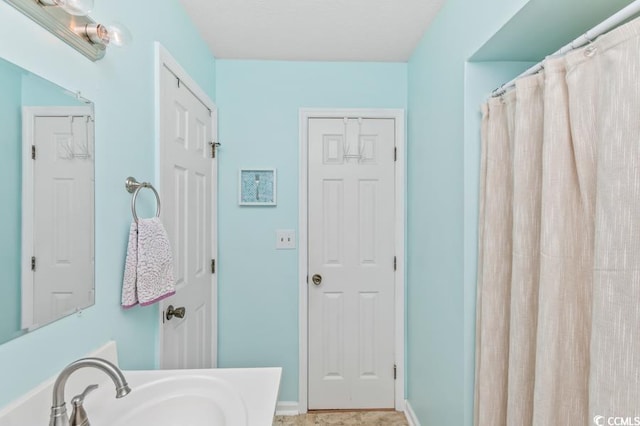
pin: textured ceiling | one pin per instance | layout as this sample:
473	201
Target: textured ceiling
321	30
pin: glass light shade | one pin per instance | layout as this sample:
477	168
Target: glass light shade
76	7
119	35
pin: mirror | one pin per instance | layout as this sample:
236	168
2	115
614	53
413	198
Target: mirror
47	208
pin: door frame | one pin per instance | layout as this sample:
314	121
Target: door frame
400	219
164	59
29	114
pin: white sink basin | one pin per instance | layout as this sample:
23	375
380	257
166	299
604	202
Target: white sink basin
224	397
191	400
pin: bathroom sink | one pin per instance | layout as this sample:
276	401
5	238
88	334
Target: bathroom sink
158	400
188	398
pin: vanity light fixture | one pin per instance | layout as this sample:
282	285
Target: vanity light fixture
68	20
72	7
114	34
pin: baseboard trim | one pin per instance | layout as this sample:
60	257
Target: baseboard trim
287	408
410	415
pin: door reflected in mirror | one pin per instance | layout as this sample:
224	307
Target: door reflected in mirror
47	188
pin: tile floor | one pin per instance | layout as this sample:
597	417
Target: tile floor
359	418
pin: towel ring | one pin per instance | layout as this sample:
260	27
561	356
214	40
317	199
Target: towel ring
133	186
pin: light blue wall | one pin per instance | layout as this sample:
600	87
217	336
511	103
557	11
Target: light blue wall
10	193
258	285
542	26
438	384
122	86
36	91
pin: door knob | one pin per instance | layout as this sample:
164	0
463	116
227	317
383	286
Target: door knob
317	279
175	312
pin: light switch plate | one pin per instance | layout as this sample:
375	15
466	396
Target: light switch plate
285	239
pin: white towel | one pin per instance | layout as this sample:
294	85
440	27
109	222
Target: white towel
148	272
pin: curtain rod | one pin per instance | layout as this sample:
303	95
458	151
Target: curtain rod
605	26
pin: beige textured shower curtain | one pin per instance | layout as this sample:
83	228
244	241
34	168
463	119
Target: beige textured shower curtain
558	297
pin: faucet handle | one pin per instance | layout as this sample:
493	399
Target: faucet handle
79	399
78	413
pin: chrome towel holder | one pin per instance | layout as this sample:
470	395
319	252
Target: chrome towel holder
134	187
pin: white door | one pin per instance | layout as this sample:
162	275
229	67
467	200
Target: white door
62	259
351	249
187	182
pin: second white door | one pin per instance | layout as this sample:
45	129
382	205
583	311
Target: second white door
351	263
187	181
61	168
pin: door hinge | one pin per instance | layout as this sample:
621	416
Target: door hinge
33	263
213	266
395	154
213	146
395	372
307	279
395	263
33	152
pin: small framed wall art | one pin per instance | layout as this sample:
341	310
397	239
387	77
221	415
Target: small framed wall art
257	187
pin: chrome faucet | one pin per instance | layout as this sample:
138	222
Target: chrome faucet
59	407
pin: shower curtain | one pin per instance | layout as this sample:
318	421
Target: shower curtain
558	295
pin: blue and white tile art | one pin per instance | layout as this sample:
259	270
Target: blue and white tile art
257	187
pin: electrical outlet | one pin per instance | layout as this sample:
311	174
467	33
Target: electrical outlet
285	239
